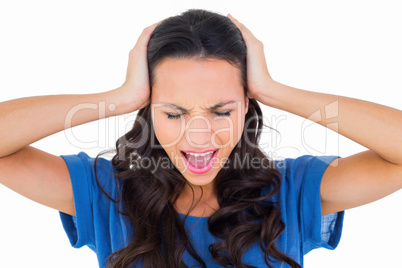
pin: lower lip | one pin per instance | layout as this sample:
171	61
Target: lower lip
204	169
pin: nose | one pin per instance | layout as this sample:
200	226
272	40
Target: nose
198	132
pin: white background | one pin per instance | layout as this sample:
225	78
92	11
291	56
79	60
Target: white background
349	48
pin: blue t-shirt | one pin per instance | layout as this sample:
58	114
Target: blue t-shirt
98	224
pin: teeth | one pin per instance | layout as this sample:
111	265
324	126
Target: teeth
197	155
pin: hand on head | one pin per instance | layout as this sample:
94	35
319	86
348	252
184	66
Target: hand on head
136	87
258	77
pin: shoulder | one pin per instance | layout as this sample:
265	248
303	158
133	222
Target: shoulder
299	200
298	167
303	172
83	172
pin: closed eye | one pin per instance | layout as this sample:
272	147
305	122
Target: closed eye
223	114
171	116
177	116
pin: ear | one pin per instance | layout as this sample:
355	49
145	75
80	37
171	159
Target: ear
246	105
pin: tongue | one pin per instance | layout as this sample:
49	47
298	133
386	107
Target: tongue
199	161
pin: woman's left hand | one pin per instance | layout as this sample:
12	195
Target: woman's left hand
258	77
350	181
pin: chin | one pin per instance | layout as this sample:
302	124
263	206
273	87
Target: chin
200	179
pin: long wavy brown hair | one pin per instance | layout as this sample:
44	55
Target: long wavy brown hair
148	194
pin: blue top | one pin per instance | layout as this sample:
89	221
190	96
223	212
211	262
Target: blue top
98	225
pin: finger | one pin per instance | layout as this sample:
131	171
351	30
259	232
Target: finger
235	21
241	26
247	34
146	34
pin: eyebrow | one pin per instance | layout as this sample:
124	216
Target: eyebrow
218	105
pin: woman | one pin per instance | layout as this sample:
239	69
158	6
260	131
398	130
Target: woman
178	208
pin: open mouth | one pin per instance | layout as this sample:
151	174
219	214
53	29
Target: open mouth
199	161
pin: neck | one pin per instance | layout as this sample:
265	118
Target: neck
204	202
205	192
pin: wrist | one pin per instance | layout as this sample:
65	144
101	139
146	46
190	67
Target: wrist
269	93
118	103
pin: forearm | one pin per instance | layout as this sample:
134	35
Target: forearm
372	125
27	120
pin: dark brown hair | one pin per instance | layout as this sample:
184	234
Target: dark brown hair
148	194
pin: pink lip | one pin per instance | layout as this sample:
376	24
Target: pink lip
194	152
205	169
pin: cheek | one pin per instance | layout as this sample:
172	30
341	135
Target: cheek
167	131
228	131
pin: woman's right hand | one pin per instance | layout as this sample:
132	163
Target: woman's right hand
135	91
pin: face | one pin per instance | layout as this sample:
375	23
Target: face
184	94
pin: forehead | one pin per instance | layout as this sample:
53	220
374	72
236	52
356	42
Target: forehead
205	80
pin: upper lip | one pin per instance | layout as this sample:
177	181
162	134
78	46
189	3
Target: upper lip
194	152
